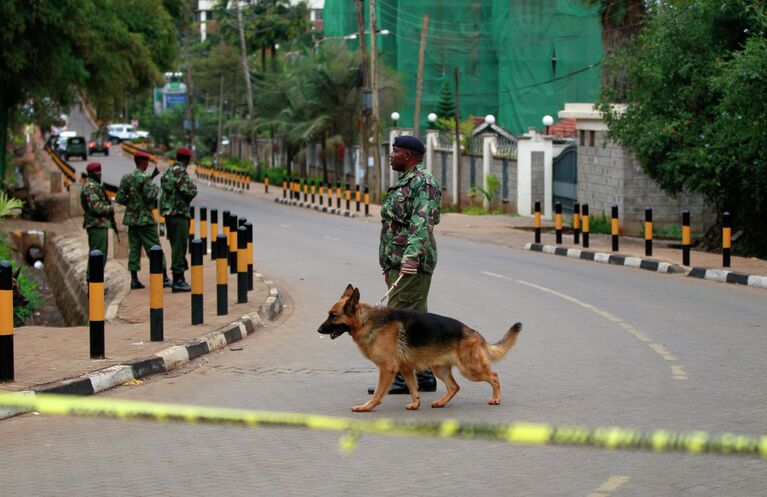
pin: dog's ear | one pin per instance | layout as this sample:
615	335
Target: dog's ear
351	304
348	292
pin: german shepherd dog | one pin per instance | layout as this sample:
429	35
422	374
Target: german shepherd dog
410	341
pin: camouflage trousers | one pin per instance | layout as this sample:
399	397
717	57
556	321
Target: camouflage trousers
138	237
178	236
411	293
98	239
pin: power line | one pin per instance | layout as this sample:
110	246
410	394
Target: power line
516	89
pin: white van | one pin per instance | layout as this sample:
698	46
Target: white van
120	132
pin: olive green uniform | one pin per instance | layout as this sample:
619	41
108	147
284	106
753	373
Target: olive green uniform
408	216
97	212
138	194
178	191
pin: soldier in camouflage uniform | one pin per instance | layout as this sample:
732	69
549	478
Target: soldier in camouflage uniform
138	194
407	248
97	211
178	190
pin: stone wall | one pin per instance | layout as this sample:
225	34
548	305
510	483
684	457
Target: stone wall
66	257
608	175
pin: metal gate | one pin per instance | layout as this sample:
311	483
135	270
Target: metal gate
566	178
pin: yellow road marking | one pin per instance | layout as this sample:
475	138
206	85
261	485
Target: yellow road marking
611	485
677	371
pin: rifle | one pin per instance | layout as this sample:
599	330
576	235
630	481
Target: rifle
112	189
113	222
155	172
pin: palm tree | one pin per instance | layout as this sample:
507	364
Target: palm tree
621	20
312	99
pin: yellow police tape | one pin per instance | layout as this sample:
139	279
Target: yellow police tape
696	442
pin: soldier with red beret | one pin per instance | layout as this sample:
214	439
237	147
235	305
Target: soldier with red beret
138	194
178	191
97	211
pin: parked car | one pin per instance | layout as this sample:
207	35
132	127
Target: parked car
120	132
99	143
61	141
75	146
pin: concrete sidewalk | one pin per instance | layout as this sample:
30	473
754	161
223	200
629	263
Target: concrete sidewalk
518	232
57	360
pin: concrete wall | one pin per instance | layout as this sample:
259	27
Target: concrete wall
609	175
66	257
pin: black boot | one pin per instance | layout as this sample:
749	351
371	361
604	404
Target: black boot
426	383
135	284
166	283
179	284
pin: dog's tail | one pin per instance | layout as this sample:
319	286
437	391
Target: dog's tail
499	349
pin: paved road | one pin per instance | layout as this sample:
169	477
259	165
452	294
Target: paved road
602	345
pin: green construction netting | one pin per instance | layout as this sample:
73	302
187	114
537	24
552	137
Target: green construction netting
518	60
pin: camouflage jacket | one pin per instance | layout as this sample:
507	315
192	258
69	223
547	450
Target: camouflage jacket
96	205
178	190
138	194
408	217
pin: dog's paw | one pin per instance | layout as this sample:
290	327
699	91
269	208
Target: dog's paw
413	406
438	403
494	402
362	408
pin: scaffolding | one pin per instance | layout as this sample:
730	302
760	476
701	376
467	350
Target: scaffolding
518	59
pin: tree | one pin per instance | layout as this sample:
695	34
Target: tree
313	98
693	115
621	20
50	49
446	104
266	24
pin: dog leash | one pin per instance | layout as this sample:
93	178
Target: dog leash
380	302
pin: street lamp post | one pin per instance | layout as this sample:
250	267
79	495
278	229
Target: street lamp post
432	117
547	121
395	117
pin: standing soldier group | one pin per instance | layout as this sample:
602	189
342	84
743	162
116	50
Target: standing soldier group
139	195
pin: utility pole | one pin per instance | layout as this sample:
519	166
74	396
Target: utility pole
244	61
374	121
189	89
419	79
458	142
246	74
220	115
365	88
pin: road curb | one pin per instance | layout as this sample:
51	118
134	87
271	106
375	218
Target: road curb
720	275
319	208
606	258
166	360
724	276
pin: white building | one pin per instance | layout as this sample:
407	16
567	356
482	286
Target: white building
205	8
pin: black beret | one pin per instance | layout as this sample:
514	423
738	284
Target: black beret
410	142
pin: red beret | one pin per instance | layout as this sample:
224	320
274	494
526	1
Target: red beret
183	152
139	156
93	166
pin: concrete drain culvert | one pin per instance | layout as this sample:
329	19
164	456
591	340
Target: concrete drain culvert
30	245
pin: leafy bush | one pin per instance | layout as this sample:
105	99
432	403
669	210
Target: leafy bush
9	206
601	223
27	286
481	193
